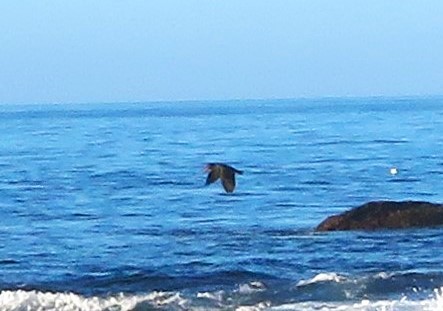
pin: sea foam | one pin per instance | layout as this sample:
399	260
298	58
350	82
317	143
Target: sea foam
322	277
44	301
34	300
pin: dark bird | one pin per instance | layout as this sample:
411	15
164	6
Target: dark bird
223	171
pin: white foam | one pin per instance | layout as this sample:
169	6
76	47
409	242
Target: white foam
252	287
435	303
217	296
265	305
42	301
383	275
322	277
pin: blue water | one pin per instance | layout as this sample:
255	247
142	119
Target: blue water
108	200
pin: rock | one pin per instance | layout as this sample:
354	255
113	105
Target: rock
386	215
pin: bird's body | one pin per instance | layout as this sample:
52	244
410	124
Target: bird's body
223	171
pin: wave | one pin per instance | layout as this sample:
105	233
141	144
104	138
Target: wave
35	300
45	301
381	285
322	277
434	303
237	290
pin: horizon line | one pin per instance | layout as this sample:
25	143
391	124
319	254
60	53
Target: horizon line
190	101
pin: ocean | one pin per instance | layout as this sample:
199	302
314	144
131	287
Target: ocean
104	207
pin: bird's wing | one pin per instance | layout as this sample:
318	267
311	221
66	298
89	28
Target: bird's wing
228	181
233	169
212	176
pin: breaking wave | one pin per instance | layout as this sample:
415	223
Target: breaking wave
44	301
324	291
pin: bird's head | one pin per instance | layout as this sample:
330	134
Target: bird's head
208	167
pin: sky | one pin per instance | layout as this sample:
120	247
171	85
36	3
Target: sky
137	51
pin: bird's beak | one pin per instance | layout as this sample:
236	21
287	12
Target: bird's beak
206	169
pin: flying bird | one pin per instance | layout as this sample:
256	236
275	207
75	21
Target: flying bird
223	171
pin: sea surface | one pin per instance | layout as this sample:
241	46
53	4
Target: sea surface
103	206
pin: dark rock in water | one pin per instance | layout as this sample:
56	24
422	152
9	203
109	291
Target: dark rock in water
386	215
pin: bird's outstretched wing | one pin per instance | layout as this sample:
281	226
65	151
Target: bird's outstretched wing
212	176
228	181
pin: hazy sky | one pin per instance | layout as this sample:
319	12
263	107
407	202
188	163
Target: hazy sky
123	51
